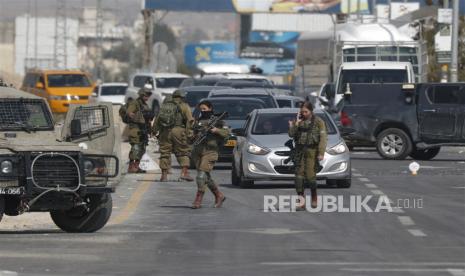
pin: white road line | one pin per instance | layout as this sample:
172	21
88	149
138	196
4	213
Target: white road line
399	270
458	187
377	192
357	174
417	232
406	220
8	273
456	272
64	257
397	264
363	179
397	210
371	185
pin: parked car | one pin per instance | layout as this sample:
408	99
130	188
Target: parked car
260	151
203	81
59	87
238	108
243	84
67	176
162	84
113	92
195	93
403	120
289	101
253	93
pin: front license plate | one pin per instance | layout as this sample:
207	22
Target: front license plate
288	164
230	143
11	191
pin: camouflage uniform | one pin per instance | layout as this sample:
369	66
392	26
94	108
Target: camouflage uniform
138	131
175	139
204	156
310	138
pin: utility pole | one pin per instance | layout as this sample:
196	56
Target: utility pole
148	37
28	15
99	40
455	41
36	27
60	53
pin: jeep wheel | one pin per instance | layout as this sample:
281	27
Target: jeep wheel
2	206
393	144
425	154
81	220
155	108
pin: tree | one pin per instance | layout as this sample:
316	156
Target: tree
163	33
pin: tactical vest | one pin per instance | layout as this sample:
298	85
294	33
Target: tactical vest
308	133
212	142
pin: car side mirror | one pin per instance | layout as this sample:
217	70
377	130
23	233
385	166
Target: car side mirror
238	131
39	85
345	131
75	127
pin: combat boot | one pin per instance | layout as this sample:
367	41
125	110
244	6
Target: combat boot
164	176
139	170
198	200
301	205
314	198
219	197
185	174
132	166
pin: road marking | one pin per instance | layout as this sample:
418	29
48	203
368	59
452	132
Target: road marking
48	255
426	264
417	232
133	202
377	192
357	174
456	272
371	185
458	187
363	179
406	220
402	270
397	210
8	273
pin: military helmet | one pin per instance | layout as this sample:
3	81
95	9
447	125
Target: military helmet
144	91
179	93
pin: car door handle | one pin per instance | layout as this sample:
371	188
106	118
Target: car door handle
429	110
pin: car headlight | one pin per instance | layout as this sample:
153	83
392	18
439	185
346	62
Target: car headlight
6	167
88	166
254	149
338	149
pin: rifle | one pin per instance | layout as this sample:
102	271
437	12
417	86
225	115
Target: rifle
202	135
290	144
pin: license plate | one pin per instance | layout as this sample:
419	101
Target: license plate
11	191
230	143
288	164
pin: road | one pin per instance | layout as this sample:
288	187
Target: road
154	232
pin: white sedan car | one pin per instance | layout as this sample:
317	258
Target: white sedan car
110	92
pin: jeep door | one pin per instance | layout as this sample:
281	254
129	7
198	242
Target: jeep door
440	113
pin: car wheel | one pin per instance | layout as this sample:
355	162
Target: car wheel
2	206
393	144
155	108
85	220
425	154
244	183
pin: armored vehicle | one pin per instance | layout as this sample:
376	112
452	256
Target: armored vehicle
62	170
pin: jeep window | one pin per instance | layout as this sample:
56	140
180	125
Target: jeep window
446	94
25	114
68	80
169	82
372	76
140	81
92	119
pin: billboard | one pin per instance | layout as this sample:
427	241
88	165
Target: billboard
190	5
285	6
280	45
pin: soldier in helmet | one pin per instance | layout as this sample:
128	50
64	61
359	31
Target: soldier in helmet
138	128
173	128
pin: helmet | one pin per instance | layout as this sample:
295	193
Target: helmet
179	93
144	92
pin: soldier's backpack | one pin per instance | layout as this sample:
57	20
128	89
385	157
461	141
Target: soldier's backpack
123	113
168	113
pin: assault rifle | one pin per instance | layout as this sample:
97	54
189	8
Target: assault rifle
212	122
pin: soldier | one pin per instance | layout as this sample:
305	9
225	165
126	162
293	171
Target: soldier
310	137
137	111
206	154
173	127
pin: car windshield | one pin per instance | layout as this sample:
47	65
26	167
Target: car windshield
194	97
278	123
237	110
284	103
113	90
24	114
372	76
267	99
68	80
169	82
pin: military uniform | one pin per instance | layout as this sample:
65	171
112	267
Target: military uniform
175	139
310	137
205	156
138	132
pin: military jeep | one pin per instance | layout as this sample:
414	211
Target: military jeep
65	171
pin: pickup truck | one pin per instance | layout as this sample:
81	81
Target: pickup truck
405	119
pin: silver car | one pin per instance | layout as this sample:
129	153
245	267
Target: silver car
260	151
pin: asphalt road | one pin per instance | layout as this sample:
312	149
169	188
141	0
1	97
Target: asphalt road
154	232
